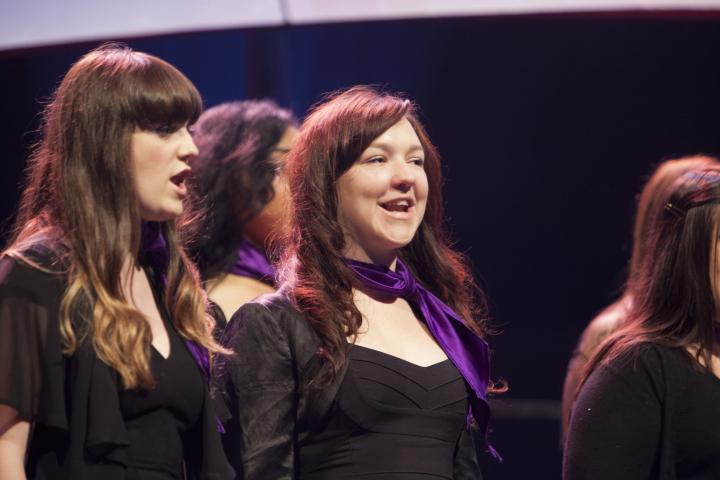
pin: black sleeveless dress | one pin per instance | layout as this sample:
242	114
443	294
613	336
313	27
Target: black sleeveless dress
393	420
158	420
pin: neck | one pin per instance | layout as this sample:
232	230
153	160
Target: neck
253	242
387	259
360	293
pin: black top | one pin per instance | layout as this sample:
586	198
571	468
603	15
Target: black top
85	425
649	414
394	420
157	420
282	419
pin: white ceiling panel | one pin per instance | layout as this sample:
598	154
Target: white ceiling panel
29	23
32	23
315	11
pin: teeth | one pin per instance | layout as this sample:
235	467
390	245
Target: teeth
397	206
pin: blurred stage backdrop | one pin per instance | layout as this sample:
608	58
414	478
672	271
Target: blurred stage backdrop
548	114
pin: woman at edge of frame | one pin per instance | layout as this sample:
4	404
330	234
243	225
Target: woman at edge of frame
648	404
611	317
105	345
355	368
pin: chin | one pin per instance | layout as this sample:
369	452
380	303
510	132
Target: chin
400	240
396	243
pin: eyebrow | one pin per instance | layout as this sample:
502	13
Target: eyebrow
388	147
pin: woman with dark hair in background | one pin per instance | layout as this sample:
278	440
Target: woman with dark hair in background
648	206
370	360
239	171
648	407
104	340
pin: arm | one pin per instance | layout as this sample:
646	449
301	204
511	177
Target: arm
466	464
260	380
594	334
616	423
572	380
27	371
13	441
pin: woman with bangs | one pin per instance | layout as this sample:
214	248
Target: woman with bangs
104	341
648	404
370	361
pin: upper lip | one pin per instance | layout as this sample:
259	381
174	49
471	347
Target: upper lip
180	177
409	200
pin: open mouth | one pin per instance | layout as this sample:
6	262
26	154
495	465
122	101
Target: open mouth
180	178
399	205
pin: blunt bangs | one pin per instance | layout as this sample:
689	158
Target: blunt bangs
162	95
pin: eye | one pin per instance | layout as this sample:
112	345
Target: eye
165	129
418	161
376	159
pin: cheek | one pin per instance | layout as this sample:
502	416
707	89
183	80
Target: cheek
422	191
278	208
423	186
149	166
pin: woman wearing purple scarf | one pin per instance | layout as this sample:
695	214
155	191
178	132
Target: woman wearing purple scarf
239	172
370	361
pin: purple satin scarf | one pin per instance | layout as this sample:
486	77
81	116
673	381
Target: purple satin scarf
251	262
469	353
153	254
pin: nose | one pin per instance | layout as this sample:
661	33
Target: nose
404	177
187	149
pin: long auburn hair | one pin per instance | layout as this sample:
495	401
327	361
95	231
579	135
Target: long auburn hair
234	174
80	203
673	289
313	271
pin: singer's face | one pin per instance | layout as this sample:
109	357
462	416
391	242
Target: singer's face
383	195
159	159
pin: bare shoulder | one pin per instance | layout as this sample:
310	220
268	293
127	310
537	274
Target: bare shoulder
233	291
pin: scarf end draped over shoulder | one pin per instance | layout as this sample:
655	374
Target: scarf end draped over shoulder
466	350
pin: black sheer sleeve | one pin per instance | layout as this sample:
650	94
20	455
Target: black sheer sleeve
615	424
261	384
31	362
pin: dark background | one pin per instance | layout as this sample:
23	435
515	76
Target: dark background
547	126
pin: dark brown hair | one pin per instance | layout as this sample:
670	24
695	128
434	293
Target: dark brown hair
234	173
80	202
314	272
673	290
